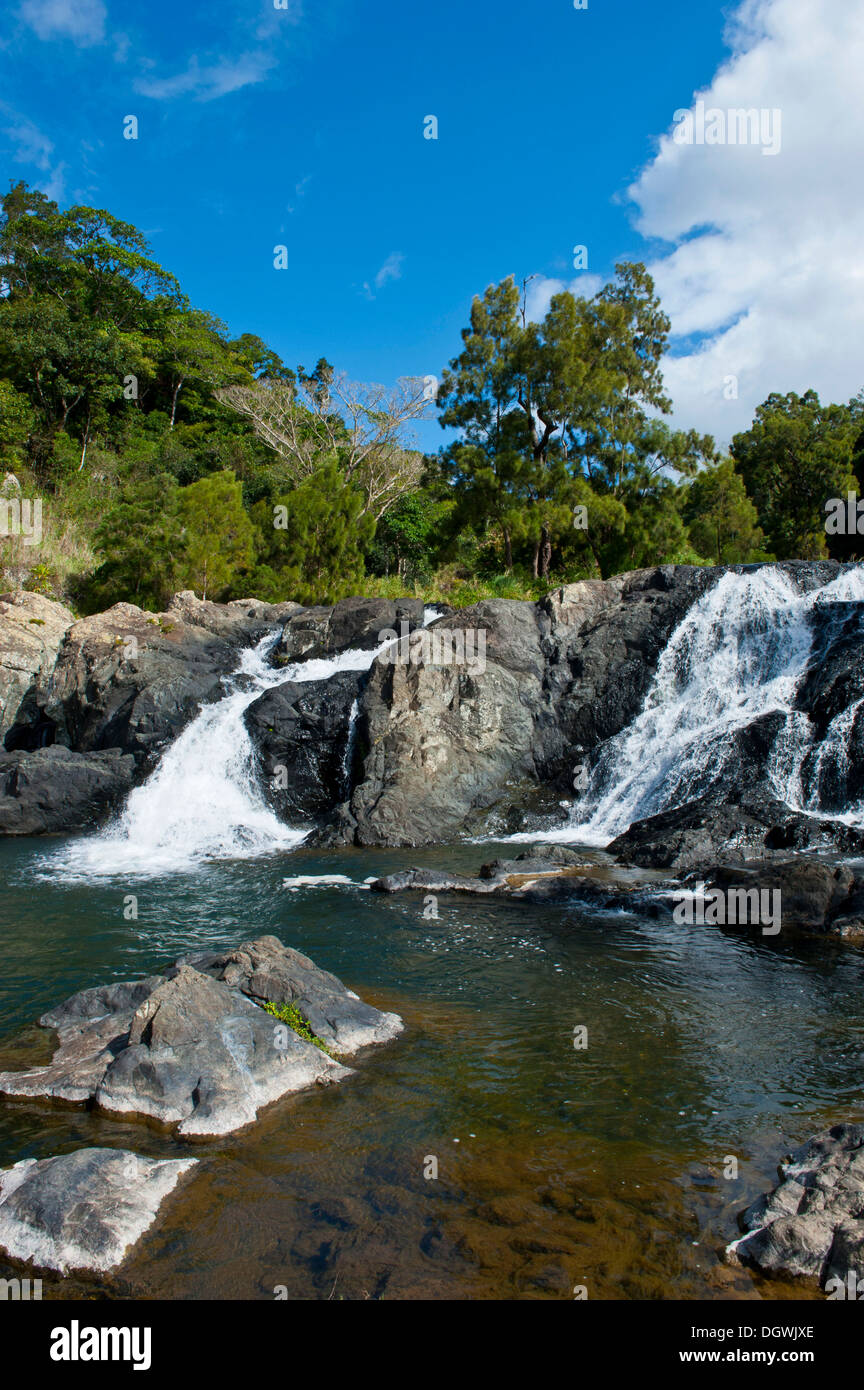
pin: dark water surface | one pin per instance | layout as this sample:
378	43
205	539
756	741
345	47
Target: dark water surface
557	1167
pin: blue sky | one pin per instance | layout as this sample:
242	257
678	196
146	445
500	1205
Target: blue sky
304	126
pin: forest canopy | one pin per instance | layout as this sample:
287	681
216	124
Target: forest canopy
166	454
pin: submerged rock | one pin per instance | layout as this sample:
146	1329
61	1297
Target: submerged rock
812	1223
83	1210
190	1048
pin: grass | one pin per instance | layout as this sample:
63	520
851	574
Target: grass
291	1015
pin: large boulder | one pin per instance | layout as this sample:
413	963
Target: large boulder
190	1049
812	1223
241	621
465	745
440	743
32	629
302	732
132	680
54	789
83	1210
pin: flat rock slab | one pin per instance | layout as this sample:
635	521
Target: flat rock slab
812	1223
193	1048
83	1210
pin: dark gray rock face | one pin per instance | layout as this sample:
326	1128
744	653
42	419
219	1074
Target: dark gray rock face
53	788
302	731
813	1222
708	831
190	1048
451	748
132	680
83	1210
352	623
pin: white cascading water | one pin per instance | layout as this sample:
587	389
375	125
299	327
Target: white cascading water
204	800
740	653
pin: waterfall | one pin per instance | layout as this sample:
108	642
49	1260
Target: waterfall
738	654
203	800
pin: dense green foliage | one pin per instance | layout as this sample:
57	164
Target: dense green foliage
168	455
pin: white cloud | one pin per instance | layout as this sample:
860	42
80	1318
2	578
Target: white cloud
540	289
82	21
33	147
210	81
766	278
390	270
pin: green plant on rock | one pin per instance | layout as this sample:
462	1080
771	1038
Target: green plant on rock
290	1014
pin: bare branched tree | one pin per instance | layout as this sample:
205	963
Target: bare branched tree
323	417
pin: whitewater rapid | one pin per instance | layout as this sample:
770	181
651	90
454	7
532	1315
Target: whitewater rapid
740	652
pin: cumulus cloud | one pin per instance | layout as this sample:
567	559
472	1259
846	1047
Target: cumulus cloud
209	81
82	21
764	282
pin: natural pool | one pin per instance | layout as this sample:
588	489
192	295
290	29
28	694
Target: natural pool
557	1167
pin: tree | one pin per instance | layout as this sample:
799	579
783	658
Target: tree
141	541
321	417
796	455
217	534
721	519
313	539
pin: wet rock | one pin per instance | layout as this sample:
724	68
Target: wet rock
54	789
812	1223
540	878
708	831
813	895
133	680
301	731
84	1210
190	1048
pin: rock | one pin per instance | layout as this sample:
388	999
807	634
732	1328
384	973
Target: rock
303	729
454	748
54	789
242	621
536	877
707	831
83	1210
813	1222
268	972
812	893
352	623
132	680
190	1048
32	629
